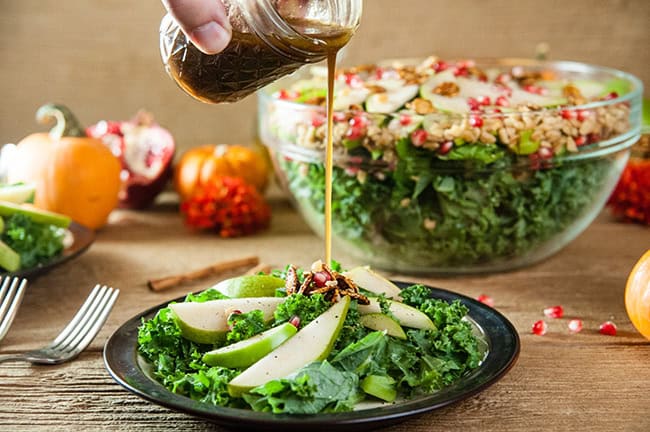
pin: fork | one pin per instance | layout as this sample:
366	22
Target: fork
11	294
76	336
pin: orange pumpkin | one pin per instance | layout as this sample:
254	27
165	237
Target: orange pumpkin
74	175
637	295
200	165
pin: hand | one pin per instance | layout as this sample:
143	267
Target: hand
204	22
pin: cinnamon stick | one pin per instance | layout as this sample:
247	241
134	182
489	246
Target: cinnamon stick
260	268
214	269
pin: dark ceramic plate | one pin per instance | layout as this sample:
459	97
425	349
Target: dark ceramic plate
129	370
82	238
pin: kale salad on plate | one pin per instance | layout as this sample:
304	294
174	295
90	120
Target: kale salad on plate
306	342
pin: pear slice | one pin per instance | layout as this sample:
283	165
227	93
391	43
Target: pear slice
312	343
382	322
391	101
250	286
245	353
18	193
380	386
406	315
207	322
371	281
9	259
37	215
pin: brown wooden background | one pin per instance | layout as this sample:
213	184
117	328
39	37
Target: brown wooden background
101	57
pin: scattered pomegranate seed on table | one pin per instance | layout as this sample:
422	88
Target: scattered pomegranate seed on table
608	328
575	326
485	299
554	312
539	328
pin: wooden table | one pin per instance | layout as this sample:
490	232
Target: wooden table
561	381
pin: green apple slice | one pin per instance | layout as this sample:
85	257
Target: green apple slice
9	259
245	353
390	101
522	97
37	215
18	193
382	322
207	322
250	286
371	281
312	343
406	315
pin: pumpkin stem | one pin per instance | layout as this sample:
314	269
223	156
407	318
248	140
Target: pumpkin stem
66	124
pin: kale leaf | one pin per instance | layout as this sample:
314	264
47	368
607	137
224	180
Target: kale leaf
36	243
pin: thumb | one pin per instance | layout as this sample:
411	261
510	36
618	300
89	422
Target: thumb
204	22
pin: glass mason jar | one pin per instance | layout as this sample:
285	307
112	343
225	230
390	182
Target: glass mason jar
270	39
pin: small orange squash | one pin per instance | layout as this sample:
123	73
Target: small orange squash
74	175
637	295
200	165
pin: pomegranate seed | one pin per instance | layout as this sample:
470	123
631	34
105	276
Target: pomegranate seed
554	312
575	326
320	278
440	66
405	120
318	120
485	299
612	95
484	100
379	73
568	114
461	71
287	95
419	137
475	121
581	140
593	137
473	103
354	133
545	153
502	78
502	101
607	328
583	115
353	80
358	121
446	147
539	328
295	321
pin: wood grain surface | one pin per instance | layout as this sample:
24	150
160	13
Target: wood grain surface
561	382
102	59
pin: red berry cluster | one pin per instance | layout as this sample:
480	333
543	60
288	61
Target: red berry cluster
229	206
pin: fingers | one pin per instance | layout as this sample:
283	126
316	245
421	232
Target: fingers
203	21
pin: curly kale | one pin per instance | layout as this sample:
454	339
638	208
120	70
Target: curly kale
36	243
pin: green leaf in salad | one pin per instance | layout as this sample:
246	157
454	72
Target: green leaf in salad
245	325
319	387
305	307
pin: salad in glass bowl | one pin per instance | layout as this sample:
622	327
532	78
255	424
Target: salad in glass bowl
454	166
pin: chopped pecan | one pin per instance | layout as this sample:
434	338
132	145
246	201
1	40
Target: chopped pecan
447	88
573	94
304	288
421	106
291	280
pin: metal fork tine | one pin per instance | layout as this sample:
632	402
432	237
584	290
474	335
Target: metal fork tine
84	325
71	332
80	313
10	303
97	324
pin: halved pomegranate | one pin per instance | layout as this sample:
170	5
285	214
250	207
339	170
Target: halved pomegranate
146	151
